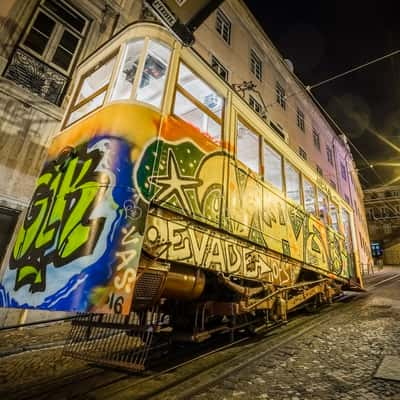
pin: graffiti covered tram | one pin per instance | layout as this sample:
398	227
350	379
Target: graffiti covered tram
168	208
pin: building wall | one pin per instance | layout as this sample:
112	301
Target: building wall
383	214
28	120
391	255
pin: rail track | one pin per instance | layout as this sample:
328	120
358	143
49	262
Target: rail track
188	374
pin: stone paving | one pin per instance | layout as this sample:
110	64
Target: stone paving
331	362
334	361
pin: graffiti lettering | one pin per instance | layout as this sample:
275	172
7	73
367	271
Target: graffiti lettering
58	227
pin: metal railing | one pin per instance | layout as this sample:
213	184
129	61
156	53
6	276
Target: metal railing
36	76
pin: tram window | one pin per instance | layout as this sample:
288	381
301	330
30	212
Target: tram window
198	104
248	147
333	211
292	183
152	84
322	207
92	91
189	111
273	167
309	196
347	228
127	72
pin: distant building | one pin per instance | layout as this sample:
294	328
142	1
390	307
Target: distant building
42	41
383	215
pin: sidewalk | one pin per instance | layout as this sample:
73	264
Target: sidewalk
13	341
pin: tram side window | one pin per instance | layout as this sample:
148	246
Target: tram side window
309	196
152	83
127	72
92	91
248	147
347	228
273	167
292	183
322	207
333	211
198	104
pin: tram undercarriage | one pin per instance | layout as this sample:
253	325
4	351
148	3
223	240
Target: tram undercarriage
177	303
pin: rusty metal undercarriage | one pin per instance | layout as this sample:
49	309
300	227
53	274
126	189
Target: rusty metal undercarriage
179	303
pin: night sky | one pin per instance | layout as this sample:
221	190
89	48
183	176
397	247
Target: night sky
323	39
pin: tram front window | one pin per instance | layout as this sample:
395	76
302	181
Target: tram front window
92	91
198	104
152	84
127	71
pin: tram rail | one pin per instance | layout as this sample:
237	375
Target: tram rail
194	374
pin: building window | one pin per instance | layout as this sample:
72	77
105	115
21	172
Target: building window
302	153
256	65
223	26
219	69
319	171
248	147
255	105
55	34
316	140
278	129
329	155
347	198
280	95
343	171
300	119
333	184
47	51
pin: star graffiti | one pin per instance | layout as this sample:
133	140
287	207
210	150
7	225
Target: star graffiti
174	185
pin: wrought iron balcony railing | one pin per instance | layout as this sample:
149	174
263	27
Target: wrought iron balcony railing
37	76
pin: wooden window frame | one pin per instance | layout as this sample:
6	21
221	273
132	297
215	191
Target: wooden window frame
283	189
224	22
73	107
55	37
316	139
215	61
260	172
316	205
280	95
201	106
301	202
300	119
256	65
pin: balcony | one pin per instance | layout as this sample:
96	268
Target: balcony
36	76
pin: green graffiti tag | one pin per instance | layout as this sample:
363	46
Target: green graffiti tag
58	227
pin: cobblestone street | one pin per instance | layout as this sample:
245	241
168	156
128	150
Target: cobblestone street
335	361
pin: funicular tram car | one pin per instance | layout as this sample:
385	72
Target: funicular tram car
168	207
